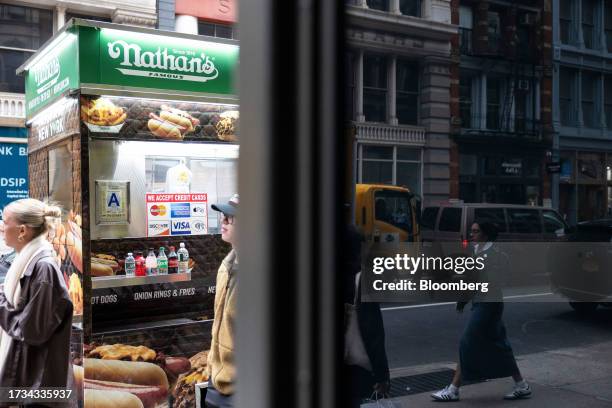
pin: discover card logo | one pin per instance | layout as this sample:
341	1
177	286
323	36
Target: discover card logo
198	68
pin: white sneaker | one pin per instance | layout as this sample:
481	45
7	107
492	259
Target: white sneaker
446	394
519	393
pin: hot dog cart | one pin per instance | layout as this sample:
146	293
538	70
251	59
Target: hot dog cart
133	132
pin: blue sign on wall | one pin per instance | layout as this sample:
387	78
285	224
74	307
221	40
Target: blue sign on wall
13	173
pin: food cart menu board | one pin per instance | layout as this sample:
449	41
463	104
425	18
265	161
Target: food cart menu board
177	214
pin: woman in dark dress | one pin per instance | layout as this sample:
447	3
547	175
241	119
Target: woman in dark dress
484	351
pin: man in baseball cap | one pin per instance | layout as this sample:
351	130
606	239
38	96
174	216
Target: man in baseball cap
221	369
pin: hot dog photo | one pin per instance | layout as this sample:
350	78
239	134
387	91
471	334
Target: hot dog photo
126	376
145	119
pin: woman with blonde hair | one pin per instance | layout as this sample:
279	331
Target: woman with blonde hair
35	308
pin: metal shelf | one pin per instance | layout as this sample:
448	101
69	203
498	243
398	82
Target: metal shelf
103	282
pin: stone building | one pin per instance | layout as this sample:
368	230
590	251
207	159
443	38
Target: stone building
398	90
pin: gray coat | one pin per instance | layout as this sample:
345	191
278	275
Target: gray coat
40	327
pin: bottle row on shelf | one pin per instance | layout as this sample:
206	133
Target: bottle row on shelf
161	264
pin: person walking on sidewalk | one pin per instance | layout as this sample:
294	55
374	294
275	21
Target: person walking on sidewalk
484	351
366	367
221	367
35	308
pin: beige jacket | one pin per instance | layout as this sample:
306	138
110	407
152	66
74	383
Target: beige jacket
221	368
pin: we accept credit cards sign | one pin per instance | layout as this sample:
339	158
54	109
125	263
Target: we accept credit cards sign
177	214
13	173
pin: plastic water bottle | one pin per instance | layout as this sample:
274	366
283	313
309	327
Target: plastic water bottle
162	262
130	265
151	263
183	259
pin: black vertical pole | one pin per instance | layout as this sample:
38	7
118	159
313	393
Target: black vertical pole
289	327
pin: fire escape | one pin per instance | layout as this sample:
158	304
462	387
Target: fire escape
515	56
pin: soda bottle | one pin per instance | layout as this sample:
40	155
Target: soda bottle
183	259
172	261
151	263
162	262
141	269
130	265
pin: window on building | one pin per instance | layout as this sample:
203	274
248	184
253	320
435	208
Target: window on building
408	168
394	165
407	92
566	93
466	23
410	7
523	34
608	100
523	107
217	30
565	20
588	23
493	102
589	82
465	102
22	31
349	97
494	31
382	5
608	24
377	164
375	88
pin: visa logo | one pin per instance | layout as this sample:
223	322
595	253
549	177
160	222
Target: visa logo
181	228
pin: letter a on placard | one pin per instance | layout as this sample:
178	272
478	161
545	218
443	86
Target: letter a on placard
113	201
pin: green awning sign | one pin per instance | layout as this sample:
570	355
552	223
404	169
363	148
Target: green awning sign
52	73
101	54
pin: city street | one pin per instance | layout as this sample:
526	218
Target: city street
562	354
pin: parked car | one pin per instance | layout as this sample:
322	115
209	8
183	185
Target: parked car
446	230
582	272
516	223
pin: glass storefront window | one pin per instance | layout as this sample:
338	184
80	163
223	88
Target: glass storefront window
533	195
404	153
489	166
409	175
468	164
393	165
531	167
377	172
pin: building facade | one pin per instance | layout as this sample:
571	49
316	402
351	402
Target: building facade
501	102
583	107
398	93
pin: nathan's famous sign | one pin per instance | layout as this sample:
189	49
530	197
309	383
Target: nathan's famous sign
152	61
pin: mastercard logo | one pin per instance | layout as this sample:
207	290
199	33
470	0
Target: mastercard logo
158	210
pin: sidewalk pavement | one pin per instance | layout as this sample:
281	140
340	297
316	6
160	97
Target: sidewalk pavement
571	377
